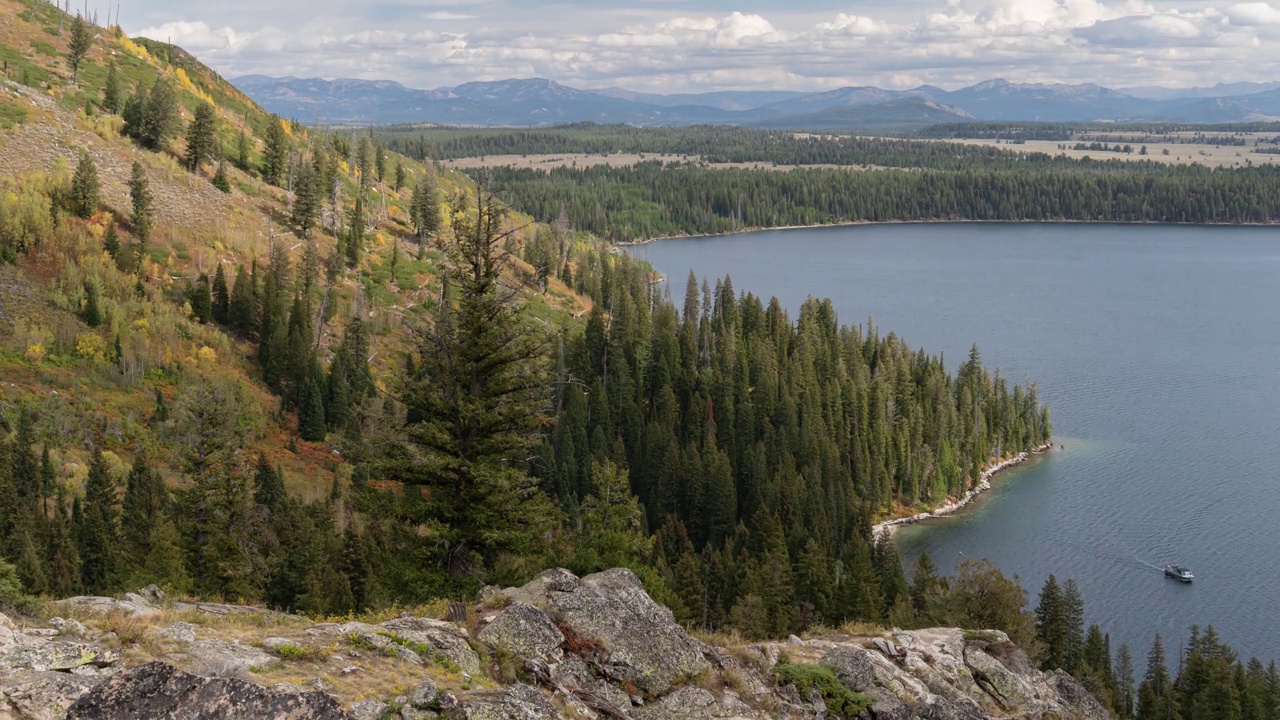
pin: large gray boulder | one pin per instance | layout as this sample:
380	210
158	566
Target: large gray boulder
55	656
524	631
225	657
436	636
518	702
132	604
37	695
158	690
609	616
691	703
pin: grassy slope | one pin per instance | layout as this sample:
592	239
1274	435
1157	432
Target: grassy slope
48	361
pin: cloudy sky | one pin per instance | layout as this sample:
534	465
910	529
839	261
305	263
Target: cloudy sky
701	45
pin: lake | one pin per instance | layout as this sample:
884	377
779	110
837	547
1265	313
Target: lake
1158	352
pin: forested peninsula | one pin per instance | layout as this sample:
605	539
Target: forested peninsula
674	182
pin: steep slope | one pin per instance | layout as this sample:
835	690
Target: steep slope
107	386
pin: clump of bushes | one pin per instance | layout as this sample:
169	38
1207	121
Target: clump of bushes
841	701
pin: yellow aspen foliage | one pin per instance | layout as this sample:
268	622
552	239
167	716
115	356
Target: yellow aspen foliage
35	353
134	48
91	346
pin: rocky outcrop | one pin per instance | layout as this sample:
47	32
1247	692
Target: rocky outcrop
524	631
595	648
437	638
612	620
157	690
518	702
35	695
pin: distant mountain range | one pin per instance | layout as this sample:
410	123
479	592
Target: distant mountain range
536	102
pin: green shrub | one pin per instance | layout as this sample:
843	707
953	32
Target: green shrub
841	701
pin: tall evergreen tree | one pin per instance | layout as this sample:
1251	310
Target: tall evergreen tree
91	312
242	312
306	203
202	300
86	189
78	46
1051	627
112	92
140	195
311	418
202	137
221	297
111	241
355	231
275	156
151	548
268	486
160	118
476	398
1073	625
98	528
242	151
63	573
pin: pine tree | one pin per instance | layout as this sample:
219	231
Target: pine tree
63	567
26	468
273	327
306	203
242	151
202	136
150	545
98	528
140	195
30	562
355	231
133	112
112	93
111	241
78	46
1124	682
48	476
221	298
241	308
337	401
380	162
202	300
924	590
477	396
160	119
401	176
1073	625
86	189
275	156
268	486
425	209
1050	624
220	179
91	313
311	419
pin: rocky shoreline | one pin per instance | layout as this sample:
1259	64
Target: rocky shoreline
952	507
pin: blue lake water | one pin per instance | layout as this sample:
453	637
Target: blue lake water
1158	352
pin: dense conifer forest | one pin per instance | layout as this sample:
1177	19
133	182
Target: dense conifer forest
654	200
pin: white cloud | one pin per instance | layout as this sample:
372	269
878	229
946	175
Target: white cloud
1253	13
675	46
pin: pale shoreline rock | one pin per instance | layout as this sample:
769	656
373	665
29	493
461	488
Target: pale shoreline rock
951	508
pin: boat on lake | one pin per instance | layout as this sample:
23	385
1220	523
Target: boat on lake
1178	572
